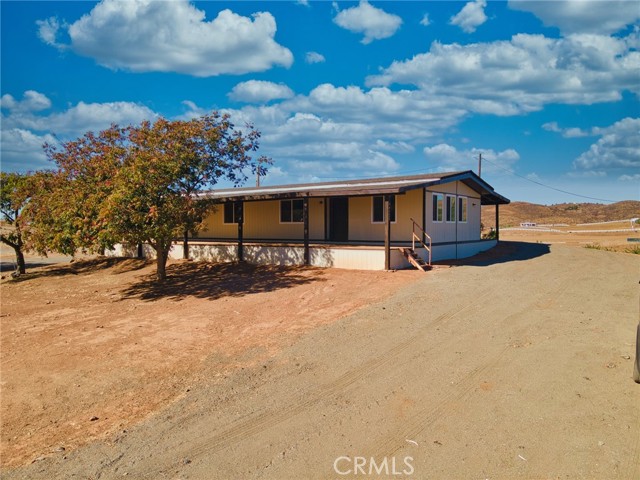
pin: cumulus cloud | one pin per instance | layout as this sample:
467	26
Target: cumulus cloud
48	31
570	16
618	148
572	132
314	57
25	128
471	16
32	101
630	178
259	91
22	150
425	20
447	157
149	36
373	22
523	74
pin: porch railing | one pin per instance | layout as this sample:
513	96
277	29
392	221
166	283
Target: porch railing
422	237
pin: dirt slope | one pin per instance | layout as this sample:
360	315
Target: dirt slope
570	213
513	369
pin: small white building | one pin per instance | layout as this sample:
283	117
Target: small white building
376	223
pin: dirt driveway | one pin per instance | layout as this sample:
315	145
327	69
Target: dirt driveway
515	366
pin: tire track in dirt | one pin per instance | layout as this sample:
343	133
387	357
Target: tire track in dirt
269	419
465	385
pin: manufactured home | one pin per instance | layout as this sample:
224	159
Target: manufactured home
376	223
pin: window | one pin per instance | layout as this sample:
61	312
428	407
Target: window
377	209
291	211
438	204
462	209
232	212
451	208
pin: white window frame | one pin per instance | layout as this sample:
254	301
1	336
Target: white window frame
434	199
463	200
447	210
291	222
395	209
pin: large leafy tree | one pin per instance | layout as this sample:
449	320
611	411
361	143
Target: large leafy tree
140	184
14	196
64	215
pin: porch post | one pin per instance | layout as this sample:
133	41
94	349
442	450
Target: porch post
497	221
305	219
387	233
240	220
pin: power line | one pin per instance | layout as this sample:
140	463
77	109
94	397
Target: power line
549	186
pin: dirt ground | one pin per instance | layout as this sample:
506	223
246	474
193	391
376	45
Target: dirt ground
100	339
516	364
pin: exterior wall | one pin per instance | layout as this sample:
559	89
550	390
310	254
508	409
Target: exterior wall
362	228
453	231
357	258
262	222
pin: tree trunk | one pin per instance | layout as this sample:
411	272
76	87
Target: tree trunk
185	245
161	260
20	261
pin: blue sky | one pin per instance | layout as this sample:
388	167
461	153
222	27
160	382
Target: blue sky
547	91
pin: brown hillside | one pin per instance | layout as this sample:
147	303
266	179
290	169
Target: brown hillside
570	213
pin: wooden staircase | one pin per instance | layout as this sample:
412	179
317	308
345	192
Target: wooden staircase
415	259
410	253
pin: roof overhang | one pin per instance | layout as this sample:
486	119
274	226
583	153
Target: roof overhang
354	188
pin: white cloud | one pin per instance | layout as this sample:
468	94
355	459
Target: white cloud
82	117
48	31
32	101
373	22
471	16
314	57
523	74
630	178
425	20
602	17
572	132
447	157
259	91
22	150
150	36
618	148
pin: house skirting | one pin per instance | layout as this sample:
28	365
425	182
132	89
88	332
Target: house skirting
357	257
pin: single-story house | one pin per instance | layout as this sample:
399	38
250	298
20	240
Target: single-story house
376	223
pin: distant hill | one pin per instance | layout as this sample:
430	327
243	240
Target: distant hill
570	213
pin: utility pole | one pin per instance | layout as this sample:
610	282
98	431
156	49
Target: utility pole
480	164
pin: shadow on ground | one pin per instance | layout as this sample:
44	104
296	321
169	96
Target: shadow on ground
502	253
215	280
119	265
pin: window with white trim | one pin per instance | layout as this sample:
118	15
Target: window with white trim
438	207
291	211
451	208
377	209
462	209
232	212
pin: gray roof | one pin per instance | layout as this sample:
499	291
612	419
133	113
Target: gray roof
350	188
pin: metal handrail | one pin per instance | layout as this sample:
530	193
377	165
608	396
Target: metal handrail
419	238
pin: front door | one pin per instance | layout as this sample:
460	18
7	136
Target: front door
339	219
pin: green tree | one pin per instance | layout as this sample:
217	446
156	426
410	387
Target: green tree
168	163
14	196
141	184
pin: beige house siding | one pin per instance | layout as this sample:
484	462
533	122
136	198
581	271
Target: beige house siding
362	228
454	231
262	221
